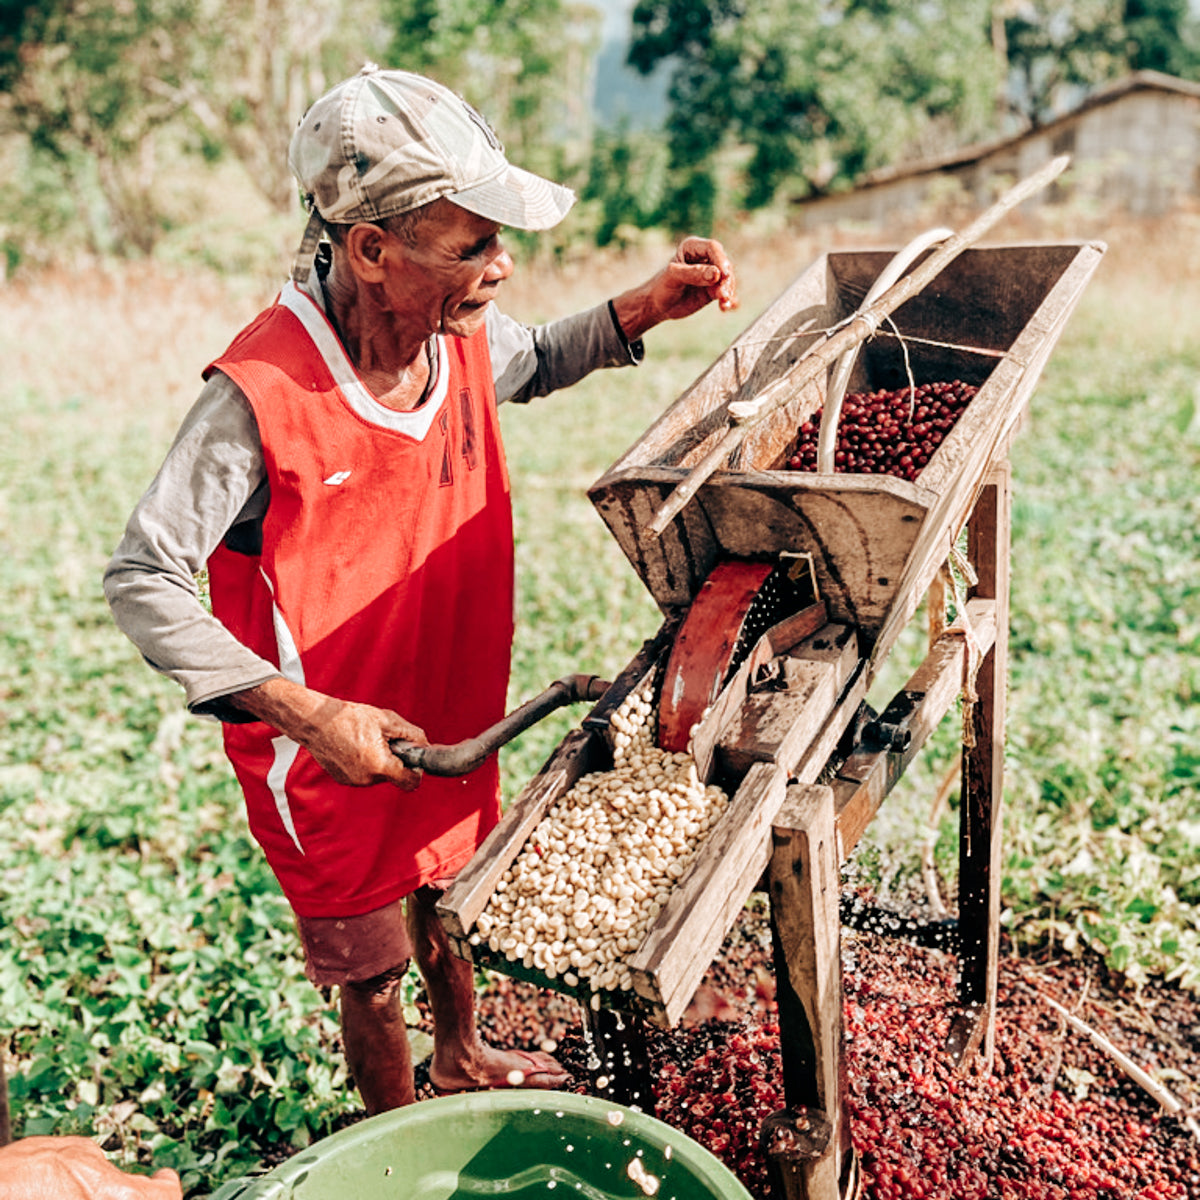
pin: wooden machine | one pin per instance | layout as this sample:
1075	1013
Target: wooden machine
783	592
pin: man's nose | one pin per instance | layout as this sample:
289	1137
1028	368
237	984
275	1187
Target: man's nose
500	268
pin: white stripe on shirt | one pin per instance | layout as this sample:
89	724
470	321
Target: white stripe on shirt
416	422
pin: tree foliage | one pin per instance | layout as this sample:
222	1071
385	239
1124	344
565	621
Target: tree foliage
101	88
1162	35
764	94
817	90
263	62
525	64
624	185
1056	52
75	74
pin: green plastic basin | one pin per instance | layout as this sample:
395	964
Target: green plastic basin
519	1144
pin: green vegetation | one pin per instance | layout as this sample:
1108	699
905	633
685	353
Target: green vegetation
106	107
151	989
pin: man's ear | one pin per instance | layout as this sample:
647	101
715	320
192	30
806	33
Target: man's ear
367	250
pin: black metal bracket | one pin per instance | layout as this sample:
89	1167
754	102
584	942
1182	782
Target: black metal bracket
890	729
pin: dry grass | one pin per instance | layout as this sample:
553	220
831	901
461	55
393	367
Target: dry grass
118	332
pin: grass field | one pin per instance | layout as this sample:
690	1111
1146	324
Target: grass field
150	986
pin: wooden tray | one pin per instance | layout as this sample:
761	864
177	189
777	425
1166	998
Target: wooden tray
682	942
990	319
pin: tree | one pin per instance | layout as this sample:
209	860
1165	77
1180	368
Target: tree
1162	35
99	87
73	74
525	64
624	184
1056	52
261	63
816	91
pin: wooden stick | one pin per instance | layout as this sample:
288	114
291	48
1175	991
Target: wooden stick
861	326
1156	1090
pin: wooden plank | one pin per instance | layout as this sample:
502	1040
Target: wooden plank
957	470
991	292
674	1000
778	726
859	530
806	934
1028	353
706	943
864	780
812	761
678	936
983	766
778	639
672	567
578	753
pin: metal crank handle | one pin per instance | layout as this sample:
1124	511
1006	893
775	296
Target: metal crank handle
462	757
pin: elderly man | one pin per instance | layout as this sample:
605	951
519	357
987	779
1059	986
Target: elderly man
342	478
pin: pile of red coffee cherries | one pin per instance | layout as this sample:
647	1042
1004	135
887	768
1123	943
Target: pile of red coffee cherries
1054	1119
887	433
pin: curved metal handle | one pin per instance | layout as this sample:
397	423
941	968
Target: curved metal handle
831	414
463	757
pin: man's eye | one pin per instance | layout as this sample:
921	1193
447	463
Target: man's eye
482	248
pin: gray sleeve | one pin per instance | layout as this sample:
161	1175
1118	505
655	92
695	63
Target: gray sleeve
536	360
211	482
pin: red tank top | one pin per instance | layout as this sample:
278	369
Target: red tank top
385	576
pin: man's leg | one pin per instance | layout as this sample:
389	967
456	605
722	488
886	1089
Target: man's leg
366	957
461	1059
375	1040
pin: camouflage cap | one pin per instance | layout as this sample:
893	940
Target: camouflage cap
385	142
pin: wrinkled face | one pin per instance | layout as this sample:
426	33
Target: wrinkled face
453	273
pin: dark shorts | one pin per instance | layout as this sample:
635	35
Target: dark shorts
341	950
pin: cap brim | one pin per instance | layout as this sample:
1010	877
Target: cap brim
518	199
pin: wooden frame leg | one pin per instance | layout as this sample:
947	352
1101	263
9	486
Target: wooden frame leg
808	1146
988	539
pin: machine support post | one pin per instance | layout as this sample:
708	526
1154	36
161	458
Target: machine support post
808	1145
988	538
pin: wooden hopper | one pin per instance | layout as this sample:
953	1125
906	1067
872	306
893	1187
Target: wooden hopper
991	319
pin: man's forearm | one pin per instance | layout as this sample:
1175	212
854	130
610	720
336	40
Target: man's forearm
293	709
635	312
349	741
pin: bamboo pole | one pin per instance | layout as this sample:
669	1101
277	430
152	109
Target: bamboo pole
1169	1101
858	329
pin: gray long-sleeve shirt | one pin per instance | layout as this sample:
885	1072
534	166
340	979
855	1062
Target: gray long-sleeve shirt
213	483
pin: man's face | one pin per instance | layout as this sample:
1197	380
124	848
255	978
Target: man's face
451	276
